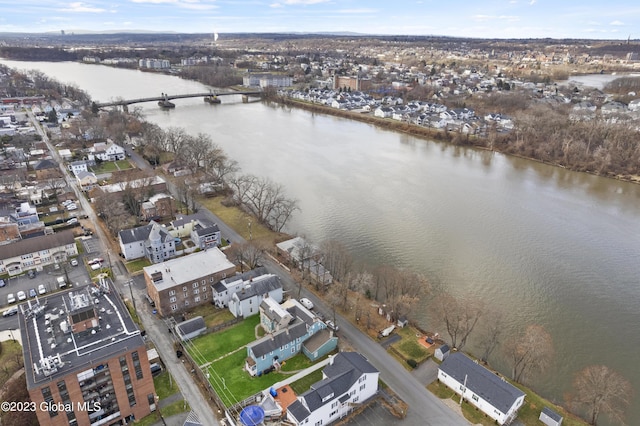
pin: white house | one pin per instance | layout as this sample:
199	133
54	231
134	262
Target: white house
246	302
493	395
151	241
223	290
78	166
108	151
348	381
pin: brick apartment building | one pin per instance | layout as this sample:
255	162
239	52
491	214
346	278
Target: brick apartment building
180	284
85	361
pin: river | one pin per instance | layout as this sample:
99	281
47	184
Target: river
542	244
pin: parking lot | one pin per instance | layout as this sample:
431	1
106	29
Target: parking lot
77	275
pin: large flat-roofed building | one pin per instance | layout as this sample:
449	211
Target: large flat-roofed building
85	360
182	283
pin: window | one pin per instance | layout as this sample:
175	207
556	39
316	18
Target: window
363	386
136	365
172	299
186	303
474	397
184	289
196	299
195	285
174	307
204	296
172	292
211	279
293	350
196	291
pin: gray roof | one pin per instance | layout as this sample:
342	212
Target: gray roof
272	342
191	325
132	235
489	386
45	164
83	174
141	233
31	245
342	373
245	276
263	286
444	349
552	414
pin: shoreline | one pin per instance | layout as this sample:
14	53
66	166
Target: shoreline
430	134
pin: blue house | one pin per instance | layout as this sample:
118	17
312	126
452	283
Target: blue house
288	334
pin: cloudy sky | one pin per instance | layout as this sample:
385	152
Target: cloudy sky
595	19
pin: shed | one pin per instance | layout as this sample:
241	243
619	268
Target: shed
191	328
442	352
403	322
550	417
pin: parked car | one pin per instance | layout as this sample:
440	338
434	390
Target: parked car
41	289
95	266
32	292
2	283
72	206
11	311
22	295
96	260
72	221
306	303
31	273
11	298
332	326
74	262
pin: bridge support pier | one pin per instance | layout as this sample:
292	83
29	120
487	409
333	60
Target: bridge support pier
245	99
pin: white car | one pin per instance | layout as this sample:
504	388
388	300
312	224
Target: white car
11	311
11	298
72	206
22	295
74	262
306	303
41	289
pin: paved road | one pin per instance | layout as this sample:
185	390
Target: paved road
155	328
424	407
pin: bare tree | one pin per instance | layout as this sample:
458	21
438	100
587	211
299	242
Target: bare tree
529	353
459	316
336	258
600	390
492	333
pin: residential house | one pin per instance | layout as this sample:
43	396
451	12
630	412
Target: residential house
152	241
36	252
204	233
80	166
183	283
347	382
224	289
108	151
87	180
159	206
267	353
482	388
246	302
47	169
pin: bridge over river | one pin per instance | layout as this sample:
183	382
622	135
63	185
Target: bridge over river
166	97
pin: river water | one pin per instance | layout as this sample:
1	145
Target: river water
542	244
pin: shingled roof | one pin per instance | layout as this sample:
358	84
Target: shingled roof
489	386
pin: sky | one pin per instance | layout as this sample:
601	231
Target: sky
592	19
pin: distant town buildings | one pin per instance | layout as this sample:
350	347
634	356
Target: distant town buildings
156	64
267	80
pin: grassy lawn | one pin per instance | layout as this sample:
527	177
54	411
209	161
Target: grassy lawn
409	346
239	221
298	362
239	383
213	346
169	410
137	265
164	385
124	164
303	385
212	316
10	359
528	414
104	167
175	408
